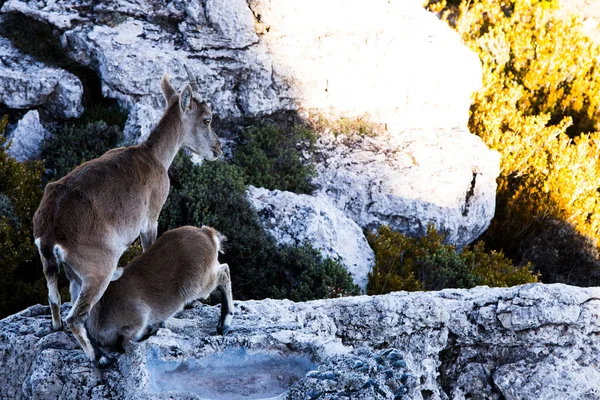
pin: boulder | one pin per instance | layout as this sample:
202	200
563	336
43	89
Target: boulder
534	342
26	83
297	218
27	137
411	179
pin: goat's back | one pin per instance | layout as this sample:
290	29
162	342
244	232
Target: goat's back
167	275
101	197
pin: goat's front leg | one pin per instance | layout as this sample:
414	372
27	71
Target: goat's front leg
149	236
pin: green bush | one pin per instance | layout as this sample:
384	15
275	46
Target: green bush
426	263
215	194
271	156
75	143
308	276
109	113
22	282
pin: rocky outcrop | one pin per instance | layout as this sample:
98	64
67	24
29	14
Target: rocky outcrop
26	137
26	83
295	218
534	341
259	57
411	179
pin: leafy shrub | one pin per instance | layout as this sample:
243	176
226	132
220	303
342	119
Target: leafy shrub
76	143
215	194
563	254
426	263
22	282
540	97
107	112
271	156
308	276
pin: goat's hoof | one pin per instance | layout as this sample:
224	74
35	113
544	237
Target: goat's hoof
60	327
106	361
162	325
223	330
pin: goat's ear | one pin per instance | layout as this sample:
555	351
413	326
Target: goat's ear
167	88
185	98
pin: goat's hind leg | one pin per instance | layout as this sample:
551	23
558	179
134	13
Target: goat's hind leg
136	329
91	291
224	286
51	273
50	267
74	283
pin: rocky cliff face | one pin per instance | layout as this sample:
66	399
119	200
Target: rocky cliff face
392	63
529	342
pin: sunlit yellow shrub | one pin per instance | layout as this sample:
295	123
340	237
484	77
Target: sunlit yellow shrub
426	263
539	101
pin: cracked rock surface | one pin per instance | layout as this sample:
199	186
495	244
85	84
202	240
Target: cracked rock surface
528	342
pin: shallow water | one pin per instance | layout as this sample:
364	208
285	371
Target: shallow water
234	374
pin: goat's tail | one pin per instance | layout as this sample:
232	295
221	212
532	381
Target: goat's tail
51	256
217	236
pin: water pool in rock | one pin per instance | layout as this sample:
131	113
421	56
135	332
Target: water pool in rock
235	374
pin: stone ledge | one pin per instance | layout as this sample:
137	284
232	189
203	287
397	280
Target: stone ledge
534	341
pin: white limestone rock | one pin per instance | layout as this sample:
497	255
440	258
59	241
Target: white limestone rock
438	345
258	57
141	120
27	137
410	179
547	379
392	60
219	24
26	83
131	57
296	218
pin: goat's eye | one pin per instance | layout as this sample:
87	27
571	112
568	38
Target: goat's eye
207	121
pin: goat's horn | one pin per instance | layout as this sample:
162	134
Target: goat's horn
193	82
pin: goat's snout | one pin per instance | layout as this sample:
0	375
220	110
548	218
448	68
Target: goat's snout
217	149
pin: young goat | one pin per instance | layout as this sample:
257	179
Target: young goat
181	266
87	219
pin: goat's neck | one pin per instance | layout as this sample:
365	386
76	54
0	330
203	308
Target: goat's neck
166	139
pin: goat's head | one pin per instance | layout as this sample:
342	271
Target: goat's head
196	118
